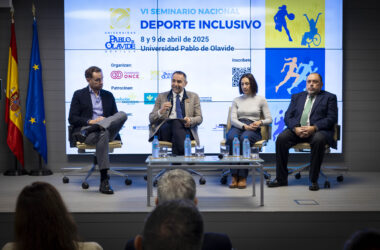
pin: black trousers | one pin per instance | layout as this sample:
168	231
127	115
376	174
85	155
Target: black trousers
175	132
286	140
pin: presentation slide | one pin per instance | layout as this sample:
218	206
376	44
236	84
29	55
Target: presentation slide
139	44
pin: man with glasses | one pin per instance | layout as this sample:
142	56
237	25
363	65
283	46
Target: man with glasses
96	121
176	113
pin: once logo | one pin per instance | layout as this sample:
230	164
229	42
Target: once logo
117	74
131	75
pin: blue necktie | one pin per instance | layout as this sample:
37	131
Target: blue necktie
178	109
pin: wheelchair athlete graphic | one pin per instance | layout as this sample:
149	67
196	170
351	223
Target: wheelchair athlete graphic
311	36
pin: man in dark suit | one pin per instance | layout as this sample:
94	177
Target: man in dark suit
311	117
178	184
174	225
176	113
96	121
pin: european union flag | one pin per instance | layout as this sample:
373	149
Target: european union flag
35	125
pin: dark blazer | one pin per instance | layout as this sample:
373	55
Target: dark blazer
324	113
81	107
211	241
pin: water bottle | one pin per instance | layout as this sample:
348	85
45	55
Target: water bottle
236	146
155	147
187	145
246	148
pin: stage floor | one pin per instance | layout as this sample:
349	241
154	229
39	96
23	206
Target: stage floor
358	192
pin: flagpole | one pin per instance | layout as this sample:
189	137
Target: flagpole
41	170
17	171
34	11
35	126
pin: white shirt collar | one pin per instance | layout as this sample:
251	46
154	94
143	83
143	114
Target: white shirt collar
180	95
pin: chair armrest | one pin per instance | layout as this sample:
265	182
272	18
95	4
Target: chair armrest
71	138
260	144
266	132
337	132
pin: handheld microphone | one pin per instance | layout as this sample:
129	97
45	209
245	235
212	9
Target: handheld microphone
171	102
170	99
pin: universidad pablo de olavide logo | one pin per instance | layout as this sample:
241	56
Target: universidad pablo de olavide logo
120	18
120	36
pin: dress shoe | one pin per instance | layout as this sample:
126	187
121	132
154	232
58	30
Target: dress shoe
234	182
276	183
242	183
81	135
314	186
105	187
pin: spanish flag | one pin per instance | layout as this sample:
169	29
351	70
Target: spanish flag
13	116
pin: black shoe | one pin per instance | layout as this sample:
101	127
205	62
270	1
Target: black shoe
276	183
81	135
105	187
314	186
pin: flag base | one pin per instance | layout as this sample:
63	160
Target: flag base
39	172
16	172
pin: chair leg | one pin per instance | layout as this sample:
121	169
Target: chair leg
202	180
296	171
327	182
89	173
67	171
157	176
89	170
340	171
127	180
192	171
266	175
224	176
225	173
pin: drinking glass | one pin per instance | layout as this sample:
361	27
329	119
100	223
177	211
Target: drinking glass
255	153
163	153
225	150
199	151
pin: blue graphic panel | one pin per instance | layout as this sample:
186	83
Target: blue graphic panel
277	109
287	70
150	98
